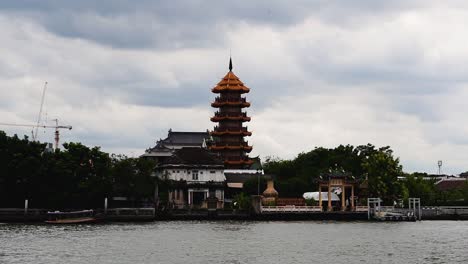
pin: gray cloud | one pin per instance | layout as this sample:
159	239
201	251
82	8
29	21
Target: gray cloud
186	24
321	73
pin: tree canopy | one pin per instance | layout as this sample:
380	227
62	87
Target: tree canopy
377	166
75	177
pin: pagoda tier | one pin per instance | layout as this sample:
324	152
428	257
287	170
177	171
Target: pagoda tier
230	131
230	102
220	116
232	146
229	134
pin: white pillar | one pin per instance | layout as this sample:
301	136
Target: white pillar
105	205
26	206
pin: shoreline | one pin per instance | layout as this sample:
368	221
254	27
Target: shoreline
40	215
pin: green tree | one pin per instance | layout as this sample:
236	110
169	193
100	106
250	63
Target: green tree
383	170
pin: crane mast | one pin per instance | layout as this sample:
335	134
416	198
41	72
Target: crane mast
38	124
39	116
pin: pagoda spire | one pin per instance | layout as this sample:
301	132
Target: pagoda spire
230	64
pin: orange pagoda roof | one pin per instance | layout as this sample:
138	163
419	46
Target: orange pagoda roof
230	82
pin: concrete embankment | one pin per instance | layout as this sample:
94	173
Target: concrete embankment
444	213
149	214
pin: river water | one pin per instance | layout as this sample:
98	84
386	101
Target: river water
237	242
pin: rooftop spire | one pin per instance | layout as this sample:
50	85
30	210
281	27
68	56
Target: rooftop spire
230	64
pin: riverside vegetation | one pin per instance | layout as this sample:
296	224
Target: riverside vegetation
81	177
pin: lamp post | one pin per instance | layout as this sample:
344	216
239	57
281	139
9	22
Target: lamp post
258	182
439	163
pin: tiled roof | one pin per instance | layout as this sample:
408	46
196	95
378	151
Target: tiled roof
183	139
451	184
230	82
194	138
193	156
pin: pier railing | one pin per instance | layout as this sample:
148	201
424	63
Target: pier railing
360	208
291	209
148	212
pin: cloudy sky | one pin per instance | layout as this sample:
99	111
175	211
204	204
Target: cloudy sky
321	73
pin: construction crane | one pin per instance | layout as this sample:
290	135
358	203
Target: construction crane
57	127
34	133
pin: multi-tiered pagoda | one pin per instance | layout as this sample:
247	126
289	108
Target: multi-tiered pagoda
229	134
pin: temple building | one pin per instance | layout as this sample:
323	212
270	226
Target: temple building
195	174
229	135
176	140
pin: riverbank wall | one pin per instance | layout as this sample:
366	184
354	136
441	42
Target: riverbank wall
150	214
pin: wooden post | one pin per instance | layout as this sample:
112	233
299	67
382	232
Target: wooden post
343	198
320	197
329	198
352	197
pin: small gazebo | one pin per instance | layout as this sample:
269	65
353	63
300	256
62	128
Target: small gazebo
337	180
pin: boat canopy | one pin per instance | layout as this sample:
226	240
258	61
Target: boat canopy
315	196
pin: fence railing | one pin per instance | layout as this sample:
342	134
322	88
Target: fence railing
361	208
291	208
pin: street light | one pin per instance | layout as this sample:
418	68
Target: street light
258	182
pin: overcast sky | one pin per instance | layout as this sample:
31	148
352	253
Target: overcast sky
321	73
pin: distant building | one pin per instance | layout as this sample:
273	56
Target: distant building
176	140
195	175
450	184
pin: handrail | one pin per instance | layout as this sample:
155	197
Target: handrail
241	114
237	144
291	208
234	100
228	129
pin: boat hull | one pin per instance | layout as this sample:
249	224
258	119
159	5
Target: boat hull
73	220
